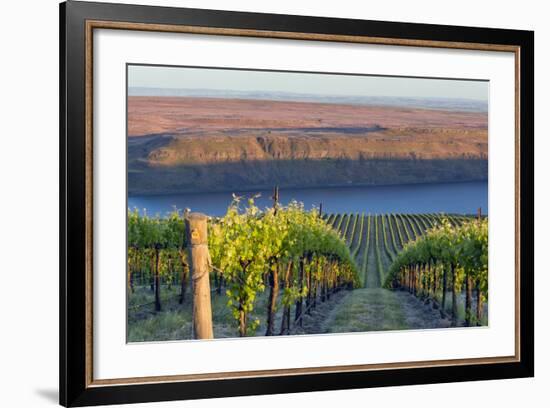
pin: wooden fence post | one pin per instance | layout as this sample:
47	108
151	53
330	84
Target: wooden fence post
275	199
197	238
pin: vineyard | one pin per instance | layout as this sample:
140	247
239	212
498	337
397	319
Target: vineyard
423	254
286	270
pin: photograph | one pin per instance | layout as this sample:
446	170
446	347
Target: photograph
277	203
257	203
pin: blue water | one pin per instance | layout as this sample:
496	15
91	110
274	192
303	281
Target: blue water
458	198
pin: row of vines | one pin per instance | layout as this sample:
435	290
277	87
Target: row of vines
390	234
292	253
450	257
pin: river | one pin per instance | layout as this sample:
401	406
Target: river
456	198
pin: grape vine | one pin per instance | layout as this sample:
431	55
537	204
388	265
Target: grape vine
446	257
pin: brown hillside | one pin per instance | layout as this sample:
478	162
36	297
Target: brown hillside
150	115
262	146
201	144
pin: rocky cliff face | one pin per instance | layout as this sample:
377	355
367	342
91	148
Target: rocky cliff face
236	163
263	146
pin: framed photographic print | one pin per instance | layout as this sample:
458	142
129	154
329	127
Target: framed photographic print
256	203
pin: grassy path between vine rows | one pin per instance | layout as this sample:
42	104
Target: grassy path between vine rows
367	309
384	258
372	278
375	309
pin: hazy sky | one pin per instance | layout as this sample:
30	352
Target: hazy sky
319	84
